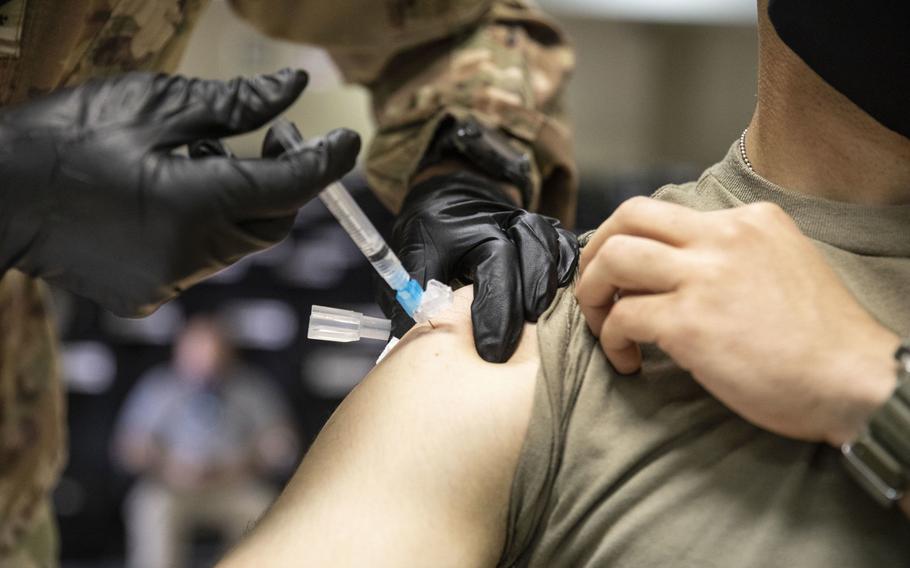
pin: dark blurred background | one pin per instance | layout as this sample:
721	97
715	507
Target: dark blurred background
662	89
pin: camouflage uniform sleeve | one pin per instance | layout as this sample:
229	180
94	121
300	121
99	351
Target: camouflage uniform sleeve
32	439
423	61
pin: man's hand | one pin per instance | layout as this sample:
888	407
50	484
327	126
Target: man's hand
94	200
463	228
748	305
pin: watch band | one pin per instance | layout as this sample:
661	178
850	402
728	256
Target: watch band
879	458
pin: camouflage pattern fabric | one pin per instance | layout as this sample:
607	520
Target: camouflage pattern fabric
62	43
66	43
32	442
423	61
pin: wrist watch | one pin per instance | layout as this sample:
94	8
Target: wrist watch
485	148
879	458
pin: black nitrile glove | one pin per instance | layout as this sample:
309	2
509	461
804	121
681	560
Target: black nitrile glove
93	199
462	227
275	229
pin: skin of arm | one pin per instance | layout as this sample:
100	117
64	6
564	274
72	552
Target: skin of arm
416	464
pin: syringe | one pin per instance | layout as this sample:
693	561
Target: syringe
352	218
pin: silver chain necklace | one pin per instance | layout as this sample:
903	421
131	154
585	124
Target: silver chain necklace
742	150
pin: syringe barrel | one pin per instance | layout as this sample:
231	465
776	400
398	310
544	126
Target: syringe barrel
352	219
364	235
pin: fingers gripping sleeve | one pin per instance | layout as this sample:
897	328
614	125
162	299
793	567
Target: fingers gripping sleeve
424	61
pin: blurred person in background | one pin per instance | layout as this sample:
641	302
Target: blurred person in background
95	200
203	435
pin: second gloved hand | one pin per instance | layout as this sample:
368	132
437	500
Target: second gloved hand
93	198
462	228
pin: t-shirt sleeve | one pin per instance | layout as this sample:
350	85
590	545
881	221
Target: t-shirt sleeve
565	348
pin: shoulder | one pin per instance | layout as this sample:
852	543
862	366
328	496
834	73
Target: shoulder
446	346
465	416
436	377
418	460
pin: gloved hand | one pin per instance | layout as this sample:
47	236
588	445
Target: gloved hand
94	200
462	228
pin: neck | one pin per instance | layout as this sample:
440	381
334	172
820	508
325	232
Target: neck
808	138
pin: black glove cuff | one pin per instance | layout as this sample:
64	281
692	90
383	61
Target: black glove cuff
463	184
486	149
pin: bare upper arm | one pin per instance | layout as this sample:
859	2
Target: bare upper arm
416	465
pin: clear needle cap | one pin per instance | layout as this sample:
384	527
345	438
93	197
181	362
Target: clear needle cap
344	326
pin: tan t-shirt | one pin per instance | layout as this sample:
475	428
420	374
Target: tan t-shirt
651	471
